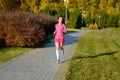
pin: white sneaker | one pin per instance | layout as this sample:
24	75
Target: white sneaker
62	50
58	61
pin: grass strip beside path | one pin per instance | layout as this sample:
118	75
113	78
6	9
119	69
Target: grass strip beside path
8	53
97	57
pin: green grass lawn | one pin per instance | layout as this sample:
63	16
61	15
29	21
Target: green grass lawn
8	53
97	57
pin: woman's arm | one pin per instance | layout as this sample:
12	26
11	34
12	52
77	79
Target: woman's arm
55	30
64	29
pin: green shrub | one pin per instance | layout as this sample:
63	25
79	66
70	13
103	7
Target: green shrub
113	21
119	20
61	11
119	23
73	19
103	19
79	22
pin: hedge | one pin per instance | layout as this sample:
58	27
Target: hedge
24	29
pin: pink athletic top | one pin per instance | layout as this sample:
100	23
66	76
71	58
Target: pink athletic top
59	31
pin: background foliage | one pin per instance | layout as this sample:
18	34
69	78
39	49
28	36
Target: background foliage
28	29
91	9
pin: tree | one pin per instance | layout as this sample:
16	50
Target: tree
43	4
112	3
82	3
52	1
94	3
103	18
79	23
30	5
113	21
73	19
7	5
61	11
48	10
73	5
103	4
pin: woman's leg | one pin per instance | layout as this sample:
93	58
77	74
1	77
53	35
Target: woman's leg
57	51
61	47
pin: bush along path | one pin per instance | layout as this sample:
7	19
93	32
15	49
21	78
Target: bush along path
25	29
40	64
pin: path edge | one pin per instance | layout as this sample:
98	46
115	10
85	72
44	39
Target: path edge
61	72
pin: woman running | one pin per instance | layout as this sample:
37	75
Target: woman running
60	30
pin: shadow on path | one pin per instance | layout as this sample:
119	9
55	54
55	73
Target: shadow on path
94	56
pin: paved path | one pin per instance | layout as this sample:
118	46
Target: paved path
40	64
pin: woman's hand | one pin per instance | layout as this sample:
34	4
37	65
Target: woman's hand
54	33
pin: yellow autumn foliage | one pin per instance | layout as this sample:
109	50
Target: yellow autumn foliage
43	4
111	10
93	26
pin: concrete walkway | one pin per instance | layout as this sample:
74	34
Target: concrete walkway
40	64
